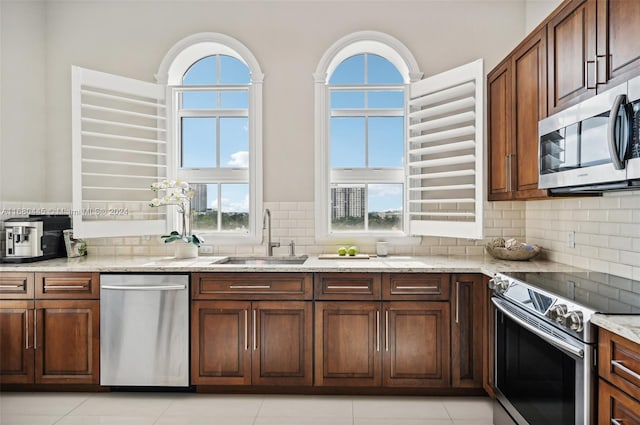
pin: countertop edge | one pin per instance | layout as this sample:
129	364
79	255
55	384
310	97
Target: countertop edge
627	326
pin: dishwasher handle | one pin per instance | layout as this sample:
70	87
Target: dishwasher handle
144	288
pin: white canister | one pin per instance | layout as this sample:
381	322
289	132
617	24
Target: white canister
382	249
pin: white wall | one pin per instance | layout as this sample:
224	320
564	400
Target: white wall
288	38
536	11
23	134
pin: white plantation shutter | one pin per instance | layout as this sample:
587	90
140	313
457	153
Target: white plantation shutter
445	154
119	147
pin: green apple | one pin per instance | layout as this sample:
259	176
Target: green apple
353	250
342	250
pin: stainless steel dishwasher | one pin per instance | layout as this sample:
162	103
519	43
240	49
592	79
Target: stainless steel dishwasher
144	330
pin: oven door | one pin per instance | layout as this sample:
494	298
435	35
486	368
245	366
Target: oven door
543	376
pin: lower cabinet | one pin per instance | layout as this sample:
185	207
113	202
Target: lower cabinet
49	328
467	330
619	383
616	407
390	330
54	341
402	343
251	343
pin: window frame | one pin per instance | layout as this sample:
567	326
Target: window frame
394	51
172	69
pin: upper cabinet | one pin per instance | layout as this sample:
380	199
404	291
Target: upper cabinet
618	51
583	48
516	102
592	47
572	51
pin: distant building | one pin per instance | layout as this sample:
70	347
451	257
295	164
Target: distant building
347	202
199	200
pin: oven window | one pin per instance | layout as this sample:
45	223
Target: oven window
537	378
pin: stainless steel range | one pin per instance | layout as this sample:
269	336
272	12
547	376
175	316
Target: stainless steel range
545	344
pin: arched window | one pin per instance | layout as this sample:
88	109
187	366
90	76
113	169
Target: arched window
361	91
396	155
215	87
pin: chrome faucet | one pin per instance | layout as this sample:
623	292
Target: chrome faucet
266	224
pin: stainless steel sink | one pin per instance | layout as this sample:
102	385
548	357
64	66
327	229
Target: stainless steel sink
253	260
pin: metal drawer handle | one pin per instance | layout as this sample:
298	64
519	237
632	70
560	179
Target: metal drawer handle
145	288
246	331
35	329
249	286
378	329
386	330
347	287
616	421
26	328
64	286
621	366
417	287
255	335
7	287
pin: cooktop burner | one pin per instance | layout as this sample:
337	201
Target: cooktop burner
601	292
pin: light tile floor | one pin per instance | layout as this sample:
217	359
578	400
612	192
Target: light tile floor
123	408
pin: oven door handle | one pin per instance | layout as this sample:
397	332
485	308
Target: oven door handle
555	342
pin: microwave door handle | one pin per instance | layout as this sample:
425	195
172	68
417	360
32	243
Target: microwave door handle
618	164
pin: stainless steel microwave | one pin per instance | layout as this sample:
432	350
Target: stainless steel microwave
593	146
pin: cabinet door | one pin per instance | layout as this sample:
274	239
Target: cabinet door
488	338
416	344
16	342
572	46
499	132
618	47
282	343
529	70
613	404
220	343
347	344
466	331
67	336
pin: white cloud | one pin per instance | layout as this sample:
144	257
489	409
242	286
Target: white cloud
239	159
381	190
235	205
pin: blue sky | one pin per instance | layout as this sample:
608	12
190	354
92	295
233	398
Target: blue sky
375	141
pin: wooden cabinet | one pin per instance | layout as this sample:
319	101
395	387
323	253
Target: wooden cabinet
467	330
571	54
392	342
618	52
619	384
416	344
499	121
53	338
17	364
67	343
347	343
516	102
242	342
592	47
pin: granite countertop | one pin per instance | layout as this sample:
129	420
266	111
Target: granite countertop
627	326
394	264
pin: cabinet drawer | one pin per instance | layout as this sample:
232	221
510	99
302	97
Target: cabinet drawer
347	286
16	286
67	286
616	407
249	286
415	286
619	362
